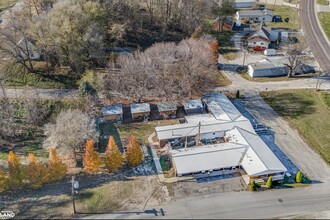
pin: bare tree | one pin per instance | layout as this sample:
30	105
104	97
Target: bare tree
165	70
294	56
70	131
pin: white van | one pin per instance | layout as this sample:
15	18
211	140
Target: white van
270	52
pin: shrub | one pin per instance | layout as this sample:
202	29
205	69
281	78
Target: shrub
269	183
86	88
92	160
253	186
237	94
56	169
16	172
299	177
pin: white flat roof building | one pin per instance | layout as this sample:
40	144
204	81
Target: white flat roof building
243	147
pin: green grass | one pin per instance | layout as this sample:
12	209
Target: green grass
323	2
121	132
246	76
108	197
285	12
308	111
324	18
292	1
3	156
4	4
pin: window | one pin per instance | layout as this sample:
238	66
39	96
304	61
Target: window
254	42
262	43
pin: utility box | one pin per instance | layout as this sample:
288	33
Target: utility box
270	52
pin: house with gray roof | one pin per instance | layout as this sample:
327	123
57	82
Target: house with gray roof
260	38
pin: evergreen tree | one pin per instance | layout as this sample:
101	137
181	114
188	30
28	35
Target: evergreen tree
269	183
16	173
299	177
86	88
92	161
114	160
56	168
37	174
215	50
134	154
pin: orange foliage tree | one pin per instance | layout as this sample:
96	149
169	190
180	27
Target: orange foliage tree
16	173
92	161
3	181
37	174
215	50
56	168
134	154
114	160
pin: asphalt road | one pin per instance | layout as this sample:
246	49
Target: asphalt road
314	35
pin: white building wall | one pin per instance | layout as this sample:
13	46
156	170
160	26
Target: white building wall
212	135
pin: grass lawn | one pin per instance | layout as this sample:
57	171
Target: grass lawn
292	1
5	4
121	132
324	18
323	2
308	111
285	12
246	76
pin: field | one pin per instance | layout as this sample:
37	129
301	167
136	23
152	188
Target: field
121	132
308	111
5	4
285	12
323	2
324	18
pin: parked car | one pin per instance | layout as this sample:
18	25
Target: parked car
259	48
277	18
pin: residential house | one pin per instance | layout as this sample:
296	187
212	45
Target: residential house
265	15
167	109
25	49
113	112
140	110
260	38
193	107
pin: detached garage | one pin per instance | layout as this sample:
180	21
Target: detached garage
266	68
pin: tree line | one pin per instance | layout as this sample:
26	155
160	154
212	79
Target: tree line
35	174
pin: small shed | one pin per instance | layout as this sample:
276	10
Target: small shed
245	3
167	109
140	110
193	107
255	15
113	112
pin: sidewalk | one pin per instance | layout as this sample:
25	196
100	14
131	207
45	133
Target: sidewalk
155	158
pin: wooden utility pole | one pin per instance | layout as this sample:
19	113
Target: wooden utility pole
72	194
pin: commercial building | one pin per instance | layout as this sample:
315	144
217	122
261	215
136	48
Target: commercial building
225	141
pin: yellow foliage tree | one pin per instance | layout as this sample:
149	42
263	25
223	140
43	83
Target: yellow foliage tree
37	174
92	161
16	174
134	154
56	168
114	160
3	181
